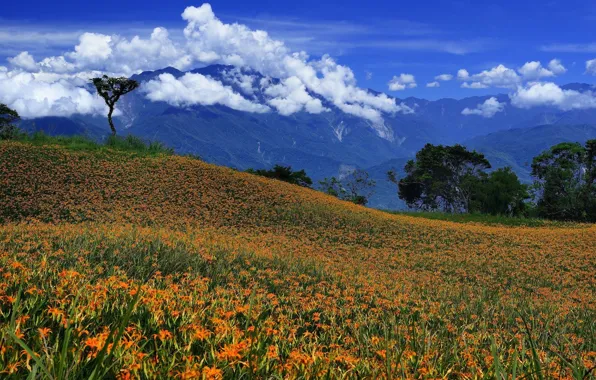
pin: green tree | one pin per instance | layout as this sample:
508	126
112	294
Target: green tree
565	181
441	177
111	89
286	174
7	117
501	193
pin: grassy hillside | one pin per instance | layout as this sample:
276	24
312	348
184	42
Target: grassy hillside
117	264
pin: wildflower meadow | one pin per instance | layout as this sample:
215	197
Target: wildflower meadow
125	265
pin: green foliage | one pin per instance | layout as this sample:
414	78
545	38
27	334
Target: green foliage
111	89
8	130
441	177
286	174
356	188
565	182
501	193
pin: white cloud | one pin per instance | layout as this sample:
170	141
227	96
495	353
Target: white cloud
192	89
369	75
92	48
488	109
24	61
56	65
401	82
290	96
474	85
503	77
591	66
499	76
444	77
243	81
34	97
211	40
534	70
208	40
433	84
556	67
549	94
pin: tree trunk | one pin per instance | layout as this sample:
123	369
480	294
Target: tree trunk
111	122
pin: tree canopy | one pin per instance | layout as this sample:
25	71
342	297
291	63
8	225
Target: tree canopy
441	177
565	181
501	193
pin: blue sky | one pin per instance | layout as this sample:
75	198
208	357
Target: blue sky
382	38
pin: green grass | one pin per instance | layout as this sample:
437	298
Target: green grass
490	220
131	144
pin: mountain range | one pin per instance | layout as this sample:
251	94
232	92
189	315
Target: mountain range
333	143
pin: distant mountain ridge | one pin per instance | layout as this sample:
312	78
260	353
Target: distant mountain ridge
324	144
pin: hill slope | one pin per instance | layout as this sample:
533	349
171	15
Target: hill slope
244	276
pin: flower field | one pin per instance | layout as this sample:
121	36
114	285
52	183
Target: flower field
116	265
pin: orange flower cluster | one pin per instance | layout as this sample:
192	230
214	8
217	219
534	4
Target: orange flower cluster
187	270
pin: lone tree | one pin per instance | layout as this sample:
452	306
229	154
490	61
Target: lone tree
7	117
111	89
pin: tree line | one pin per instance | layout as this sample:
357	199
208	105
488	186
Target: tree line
455	180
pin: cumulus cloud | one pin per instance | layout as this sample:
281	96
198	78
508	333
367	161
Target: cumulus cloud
503	77
534	70
290	96
243	81
192	89
474	85
337	84
24	61
208	40
488	109
34	97
591	66
433	84
499	76
444	77
556	67
401	82
549	94
463	74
